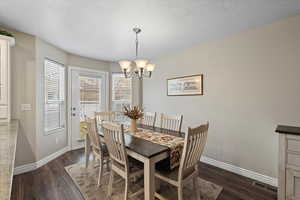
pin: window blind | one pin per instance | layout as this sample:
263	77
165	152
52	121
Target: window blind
54	112
89	90
121	91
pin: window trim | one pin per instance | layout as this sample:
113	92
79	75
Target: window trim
62	103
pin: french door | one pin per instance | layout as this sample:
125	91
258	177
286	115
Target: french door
88	94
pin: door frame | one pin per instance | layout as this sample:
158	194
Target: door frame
105	74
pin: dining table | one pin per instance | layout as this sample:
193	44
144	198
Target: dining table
147	152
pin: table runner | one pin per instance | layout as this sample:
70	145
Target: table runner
174	143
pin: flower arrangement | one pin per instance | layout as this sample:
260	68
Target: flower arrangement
2	32
133	112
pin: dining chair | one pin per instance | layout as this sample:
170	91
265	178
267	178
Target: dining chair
119	116
98	149
171	122
194	144
148	119
121	164
104	116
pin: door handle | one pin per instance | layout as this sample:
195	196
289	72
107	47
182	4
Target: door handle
73	114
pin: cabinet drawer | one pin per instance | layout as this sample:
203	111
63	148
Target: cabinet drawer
293	159
293	144
292	184
3	112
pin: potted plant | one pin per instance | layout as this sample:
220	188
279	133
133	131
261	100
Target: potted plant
134	113
5	33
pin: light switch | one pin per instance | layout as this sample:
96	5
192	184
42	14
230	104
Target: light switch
25	107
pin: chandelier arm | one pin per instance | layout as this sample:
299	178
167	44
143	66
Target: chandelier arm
127	74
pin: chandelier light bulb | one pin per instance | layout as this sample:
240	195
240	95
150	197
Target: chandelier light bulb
141	63
150	67
125	65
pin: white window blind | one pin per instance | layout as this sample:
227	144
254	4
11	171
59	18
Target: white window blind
54	113
121	91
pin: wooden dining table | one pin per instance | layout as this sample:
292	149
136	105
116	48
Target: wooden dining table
145	151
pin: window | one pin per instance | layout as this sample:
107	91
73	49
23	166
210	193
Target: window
54	113
90	96
121	91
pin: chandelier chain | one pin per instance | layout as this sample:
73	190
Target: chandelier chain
136	45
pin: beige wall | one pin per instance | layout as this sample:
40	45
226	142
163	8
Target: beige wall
27	86
251	84
79	61
22	92
46	144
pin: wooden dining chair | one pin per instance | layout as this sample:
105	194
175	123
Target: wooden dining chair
171	122
121	164
98	149
119	116
194	144
104	116
148	119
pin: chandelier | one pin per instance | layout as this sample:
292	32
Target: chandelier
138	68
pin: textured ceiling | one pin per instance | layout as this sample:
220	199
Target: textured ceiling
103	29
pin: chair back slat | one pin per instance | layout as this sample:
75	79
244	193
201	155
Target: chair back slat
194	144
93	134
171	122
148	119
115	142
104	116
119	116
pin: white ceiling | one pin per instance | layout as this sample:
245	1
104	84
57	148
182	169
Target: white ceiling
103	29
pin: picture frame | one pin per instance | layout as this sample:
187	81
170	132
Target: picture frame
185	85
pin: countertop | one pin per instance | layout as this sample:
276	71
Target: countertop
294	130
8	142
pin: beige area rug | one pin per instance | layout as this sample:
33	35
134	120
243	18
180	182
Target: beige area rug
86	181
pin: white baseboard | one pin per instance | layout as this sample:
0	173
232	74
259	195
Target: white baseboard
33	166
51	157
24	168
237	170
80	146
243	172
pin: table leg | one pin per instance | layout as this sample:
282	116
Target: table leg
87	151
149	179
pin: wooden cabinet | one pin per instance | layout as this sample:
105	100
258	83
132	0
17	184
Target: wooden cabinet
289	163
5	44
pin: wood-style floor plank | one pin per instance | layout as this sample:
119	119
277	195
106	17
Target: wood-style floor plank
51	182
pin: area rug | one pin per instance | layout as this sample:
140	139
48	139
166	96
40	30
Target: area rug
86	181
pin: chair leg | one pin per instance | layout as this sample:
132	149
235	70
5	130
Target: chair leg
157	184
107	165
100	172
126	189
180	193
110	184
195	188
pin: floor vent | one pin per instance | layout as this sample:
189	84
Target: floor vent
264	186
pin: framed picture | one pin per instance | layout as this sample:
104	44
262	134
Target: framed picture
185	86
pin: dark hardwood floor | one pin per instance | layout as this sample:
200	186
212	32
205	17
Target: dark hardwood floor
51	182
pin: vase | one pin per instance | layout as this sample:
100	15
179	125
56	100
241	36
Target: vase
133	127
